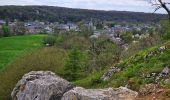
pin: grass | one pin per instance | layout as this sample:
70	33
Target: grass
43	59
133	69
53	59
13	47
91	81
138	65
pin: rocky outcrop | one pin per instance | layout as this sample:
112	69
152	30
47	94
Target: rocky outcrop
150	89
156	52
46	85
158	77
110	73
79	93
40	86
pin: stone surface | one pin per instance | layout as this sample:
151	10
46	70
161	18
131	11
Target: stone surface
149	89
166	71
166	81
40	85
109	73
79	93
156	52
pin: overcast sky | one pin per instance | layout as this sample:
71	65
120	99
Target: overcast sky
120	5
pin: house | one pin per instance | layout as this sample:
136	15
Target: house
34	27
72	26
63	27
90	25
67	27
2	22
48	29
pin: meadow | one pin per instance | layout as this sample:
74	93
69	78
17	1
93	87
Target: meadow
13	47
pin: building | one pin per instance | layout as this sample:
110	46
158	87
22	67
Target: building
2	22
34	27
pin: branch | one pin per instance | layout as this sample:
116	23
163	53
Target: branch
157	8
167	3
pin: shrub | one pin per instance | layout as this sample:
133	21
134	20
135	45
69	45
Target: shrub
49	40
6	30
165	29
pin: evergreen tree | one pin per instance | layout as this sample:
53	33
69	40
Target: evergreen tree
73	64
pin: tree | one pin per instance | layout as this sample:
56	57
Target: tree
161	4
85	31
1	33
103	53
127	37
74	64
165	29
49	40
5	30
20	28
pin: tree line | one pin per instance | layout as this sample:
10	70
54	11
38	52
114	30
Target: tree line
55	14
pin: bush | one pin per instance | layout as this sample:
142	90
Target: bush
165	29
49	40
6	30
93	80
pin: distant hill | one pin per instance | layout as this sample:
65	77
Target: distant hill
61	14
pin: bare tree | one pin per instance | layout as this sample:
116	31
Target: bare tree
161	4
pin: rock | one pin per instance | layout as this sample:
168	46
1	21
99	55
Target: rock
162	75
148	75
47	44
79	93
110	72
40	85
166	71
162	48
148	89
153	74
166	81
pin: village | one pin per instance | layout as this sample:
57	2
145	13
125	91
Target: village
113	32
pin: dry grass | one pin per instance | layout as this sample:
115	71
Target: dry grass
51	59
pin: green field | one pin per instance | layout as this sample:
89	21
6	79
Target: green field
12	47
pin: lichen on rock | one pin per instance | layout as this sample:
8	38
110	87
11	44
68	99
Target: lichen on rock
40	85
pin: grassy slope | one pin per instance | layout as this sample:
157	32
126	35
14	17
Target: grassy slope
53	59
139	65
133	68
11	47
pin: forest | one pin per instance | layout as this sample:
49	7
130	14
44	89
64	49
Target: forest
55	14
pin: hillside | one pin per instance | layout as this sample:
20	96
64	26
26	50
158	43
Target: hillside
49	13
152	60
143	68
140	72
148	66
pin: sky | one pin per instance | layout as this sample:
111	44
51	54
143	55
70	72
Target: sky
119	5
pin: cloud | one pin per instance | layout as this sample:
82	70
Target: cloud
123	5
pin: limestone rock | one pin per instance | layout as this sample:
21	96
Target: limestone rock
40	85
149	89
79	93
166	81
156	52
166	71
109	73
